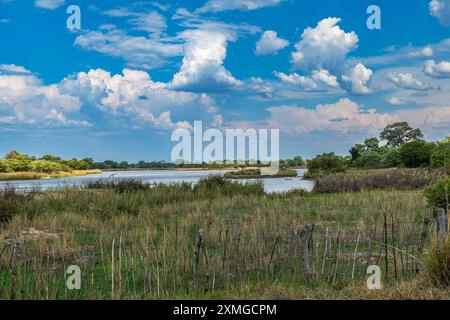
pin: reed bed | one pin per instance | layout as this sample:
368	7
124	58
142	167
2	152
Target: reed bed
376	179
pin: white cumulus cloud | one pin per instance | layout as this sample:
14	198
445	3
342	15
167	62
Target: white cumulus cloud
346	117
304	83
245	5
407	81
395	101
358	79
132	99
320	80
270	43
326	45
437	70
13	69
49	4
202	69
24	99
138	51
425	52
343	116
136	97
325	77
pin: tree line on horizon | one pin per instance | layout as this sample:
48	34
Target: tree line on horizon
17	162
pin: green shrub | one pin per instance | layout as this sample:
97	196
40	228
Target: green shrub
371	159
326	163
5	167
217	185
20	165
118	185
76	164
48	166
416	153
390	157
12	202
441	156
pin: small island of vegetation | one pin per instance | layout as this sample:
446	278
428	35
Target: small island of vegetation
255	173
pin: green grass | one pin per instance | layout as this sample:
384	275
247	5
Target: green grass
251	245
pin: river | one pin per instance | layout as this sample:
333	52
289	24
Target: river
160	176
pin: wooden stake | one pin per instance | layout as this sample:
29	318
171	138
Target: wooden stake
197	250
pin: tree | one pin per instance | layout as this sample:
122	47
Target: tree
371	144
124	164
399	133
89	161
390	157
371	159
416	153
49	157
356	151
12	155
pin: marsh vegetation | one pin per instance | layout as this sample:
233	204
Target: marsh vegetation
134	241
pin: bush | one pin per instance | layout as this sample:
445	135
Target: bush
326	163
214	185
441	156
385	179
371	159
20	165
11	202
438	264
76	164
5	167
416	153
118	185
45	166
437	192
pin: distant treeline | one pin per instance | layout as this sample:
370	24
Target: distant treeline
109	164
17	162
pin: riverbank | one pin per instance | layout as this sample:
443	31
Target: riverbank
15	176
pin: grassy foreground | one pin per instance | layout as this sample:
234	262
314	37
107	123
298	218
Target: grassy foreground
134	242
42	175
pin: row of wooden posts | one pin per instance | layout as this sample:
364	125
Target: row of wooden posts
443	229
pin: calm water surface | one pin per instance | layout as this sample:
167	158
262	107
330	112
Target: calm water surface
161	176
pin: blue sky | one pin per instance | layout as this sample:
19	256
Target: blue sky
137	70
